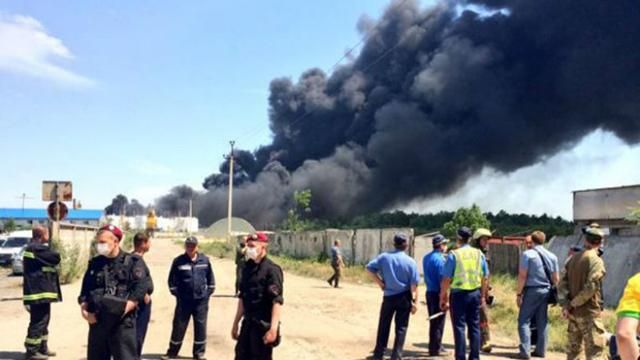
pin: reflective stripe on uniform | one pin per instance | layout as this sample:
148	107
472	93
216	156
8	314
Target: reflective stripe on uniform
49	269
28	254
175	342
468	271
200	342
45	337
40	296
33	341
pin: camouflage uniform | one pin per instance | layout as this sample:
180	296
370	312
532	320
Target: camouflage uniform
581	292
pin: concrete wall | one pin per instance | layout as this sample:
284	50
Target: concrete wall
621	258
78	236
358	246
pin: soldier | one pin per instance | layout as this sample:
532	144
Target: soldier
629	320
142	244
241	261
259	304
113	286
336	264
466	273
581	296
192	282
41	287
481	242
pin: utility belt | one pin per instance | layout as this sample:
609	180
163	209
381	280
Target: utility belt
107	304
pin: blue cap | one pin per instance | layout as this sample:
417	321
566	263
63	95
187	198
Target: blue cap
439	239
400	238
465	233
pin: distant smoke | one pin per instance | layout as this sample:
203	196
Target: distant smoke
436	95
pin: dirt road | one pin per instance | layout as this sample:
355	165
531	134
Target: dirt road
318	322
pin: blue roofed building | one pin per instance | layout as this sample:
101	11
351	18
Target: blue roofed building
28	217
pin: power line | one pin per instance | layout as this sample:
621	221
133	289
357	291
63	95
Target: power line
344	56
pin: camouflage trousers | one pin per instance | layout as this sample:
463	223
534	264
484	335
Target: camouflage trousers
485	333
586	339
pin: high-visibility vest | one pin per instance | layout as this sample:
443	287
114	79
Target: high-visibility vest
468	272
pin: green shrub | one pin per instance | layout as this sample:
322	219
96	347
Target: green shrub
71	268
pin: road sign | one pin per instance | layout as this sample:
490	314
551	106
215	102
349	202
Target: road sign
61	212
57	191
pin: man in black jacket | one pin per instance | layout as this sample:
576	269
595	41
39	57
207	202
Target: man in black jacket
112	287
141	245
192	282
41	287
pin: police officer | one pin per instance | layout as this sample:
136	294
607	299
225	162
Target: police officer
481	242
192	282
259	303
141	245
112	287
466	273
581	298
41	287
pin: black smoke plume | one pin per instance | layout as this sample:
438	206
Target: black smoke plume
434	96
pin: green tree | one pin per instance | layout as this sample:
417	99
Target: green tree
634	215
297	215
470	217
9	226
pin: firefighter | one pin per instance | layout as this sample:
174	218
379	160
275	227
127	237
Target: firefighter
481	241
192	282
259	304
112	287
41	287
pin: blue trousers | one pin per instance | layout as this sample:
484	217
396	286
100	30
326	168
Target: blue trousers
436	326
398	306
534	308
465	312
142	324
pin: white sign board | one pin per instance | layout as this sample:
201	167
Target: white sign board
64	189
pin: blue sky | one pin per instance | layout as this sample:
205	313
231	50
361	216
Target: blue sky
137	96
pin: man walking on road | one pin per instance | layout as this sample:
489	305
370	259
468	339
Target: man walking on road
192	282
581	299
433	270
336	263
466	273
538	274
142	244
41	287
259	304
396	274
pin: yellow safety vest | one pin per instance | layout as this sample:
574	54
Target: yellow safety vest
468	272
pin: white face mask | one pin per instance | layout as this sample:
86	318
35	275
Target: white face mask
252	253
103	249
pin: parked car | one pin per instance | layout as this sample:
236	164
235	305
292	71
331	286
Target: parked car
12	246
16	265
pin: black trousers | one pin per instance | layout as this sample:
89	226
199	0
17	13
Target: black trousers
185	309
400	307
38	331
113	337
337	273
436	326
250	345
142	324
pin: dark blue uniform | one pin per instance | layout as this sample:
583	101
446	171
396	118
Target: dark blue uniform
192	283
107	285
144	311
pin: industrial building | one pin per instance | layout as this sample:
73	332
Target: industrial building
29	217
609	207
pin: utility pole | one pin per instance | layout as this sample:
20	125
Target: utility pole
191	207
24	197
230	200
